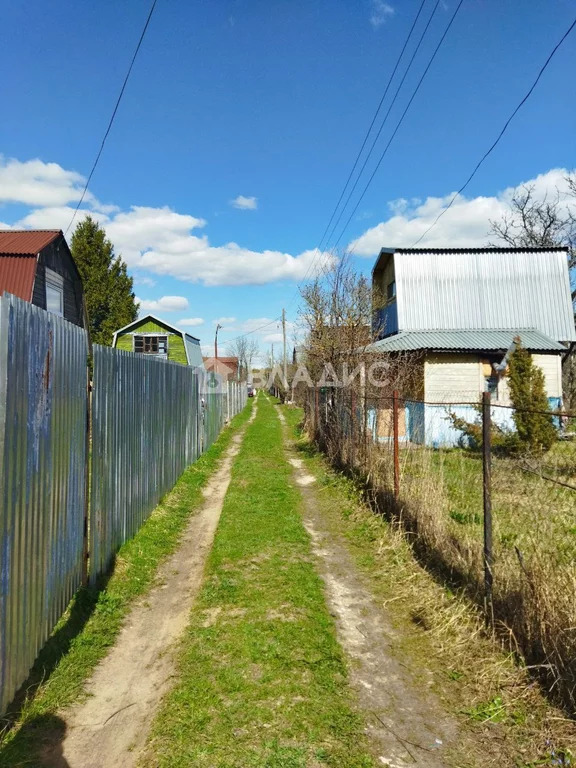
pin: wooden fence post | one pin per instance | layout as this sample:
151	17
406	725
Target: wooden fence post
353	427
396	446
487	491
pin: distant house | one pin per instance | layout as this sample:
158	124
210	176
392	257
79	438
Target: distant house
456	313
226	367
151	336
37	266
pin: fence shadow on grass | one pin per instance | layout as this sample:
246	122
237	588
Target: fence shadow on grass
56	647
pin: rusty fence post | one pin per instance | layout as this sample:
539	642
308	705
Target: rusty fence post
487	492
316	413
396	445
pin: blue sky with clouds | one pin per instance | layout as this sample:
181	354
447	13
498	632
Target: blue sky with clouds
241	122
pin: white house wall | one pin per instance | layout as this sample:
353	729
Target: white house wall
452	378
552	368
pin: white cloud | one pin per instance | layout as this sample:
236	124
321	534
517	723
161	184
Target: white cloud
37	183
160	241
191	321
164	304
245	203
381	12
142	280
466	223
224	321
273	338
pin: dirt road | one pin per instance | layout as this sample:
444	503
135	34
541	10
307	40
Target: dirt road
109	729
405	724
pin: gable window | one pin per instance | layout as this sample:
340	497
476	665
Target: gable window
54	292
391	290
151	345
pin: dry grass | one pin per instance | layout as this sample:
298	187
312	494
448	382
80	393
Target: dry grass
442	637
440	507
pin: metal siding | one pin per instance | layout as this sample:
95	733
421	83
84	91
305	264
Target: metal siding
485	289
148	425
193	351
42	491
147	429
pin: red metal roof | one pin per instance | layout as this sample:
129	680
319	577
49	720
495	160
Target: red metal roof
26	242
17	275
18	250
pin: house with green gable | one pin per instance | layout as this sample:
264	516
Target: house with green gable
149	335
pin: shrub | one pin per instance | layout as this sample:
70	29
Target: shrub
532	415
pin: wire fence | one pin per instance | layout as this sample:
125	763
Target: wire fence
493	512
71	496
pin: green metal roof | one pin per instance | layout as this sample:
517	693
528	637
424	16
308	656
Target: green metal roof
466	340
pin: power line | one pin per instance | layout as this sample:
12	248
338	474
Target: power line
113	115
501	134
374	118
389	142
398	60
383	123
401	120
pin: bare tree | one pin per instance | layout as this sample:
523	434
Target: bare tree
548	222
533	222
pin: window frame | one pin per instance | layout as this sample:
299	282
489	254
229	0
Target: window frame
54	283
151	340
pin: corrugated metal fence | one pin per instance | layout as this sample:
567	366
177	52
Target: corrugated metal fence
150	419
43	407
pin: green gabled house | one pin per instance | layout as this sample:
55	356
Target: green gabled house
151	336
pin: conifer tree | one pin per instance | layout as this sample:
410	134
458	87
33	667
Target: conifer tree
532	416
110	300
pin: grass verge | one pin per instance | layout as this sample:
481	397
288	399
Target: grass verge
262	679
506	720
95	615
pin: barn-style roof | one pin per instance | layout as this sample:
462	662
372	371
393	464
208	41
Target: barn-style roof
18	252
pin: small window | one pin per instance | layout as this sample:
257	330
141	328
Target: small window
54	292
391	290
151	345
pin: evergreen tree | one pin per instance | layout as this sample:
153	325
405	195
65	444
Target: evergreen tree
532	415
108	287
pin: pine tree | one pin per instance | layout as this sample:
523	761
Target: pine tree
532	416
108	287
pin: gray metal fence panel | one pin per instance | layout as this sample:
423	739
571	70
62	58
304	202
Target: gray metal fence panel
144	434
43	403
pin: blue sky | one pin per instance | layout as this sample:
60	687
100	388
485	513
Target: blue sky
266	102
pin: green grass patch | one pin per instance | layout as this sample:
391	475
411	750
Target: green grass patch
262	679
95	615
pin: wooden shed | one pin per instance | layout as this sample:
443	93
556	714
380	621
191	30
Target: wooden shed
37	266
149	335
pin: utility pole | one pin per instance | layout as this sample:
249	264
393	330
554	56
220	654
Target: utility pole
284	343
216	343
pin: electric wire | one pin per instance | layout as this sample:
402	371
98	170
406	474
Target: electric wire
501	134
374	118
400	121
385	119
111	121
